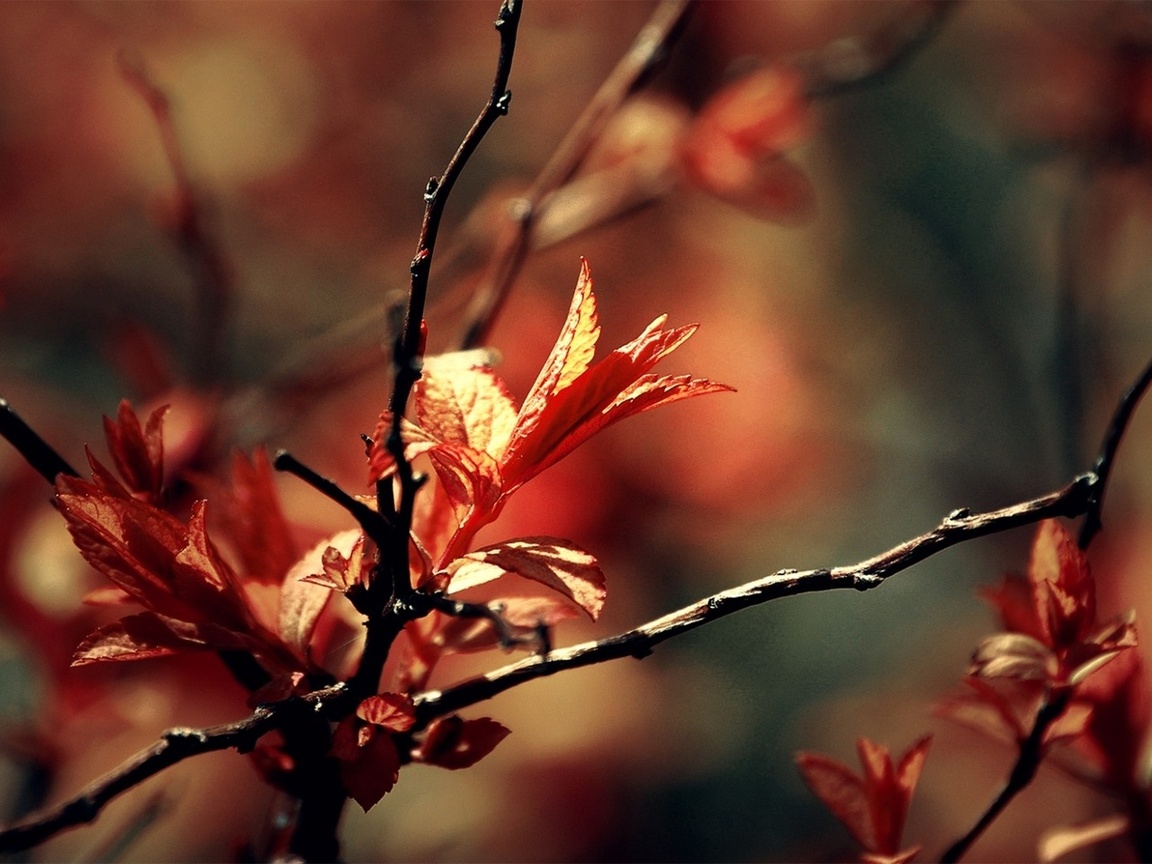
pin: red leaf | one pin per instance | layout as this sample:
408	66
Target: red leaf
1012	599
137	453
127	540
735	148
558	564
872	808
264	541
391	711
571	355
301	605
470	478
841	791
369	764
764	112
454	743
1063	591
469	406
146	635
338	563
171	569
465	411
551	425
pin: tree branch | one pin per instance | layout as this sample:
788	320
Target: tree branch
1027	763
959	526
391	585
648	50
1102	467
173	746
36	451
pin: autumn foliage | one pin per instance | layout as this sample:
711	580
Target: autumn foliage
346	620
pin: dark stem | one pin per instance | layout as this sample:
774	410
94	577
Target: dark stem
958	527
505	632
648	51
1107	456
36	451
389	591
409	349
174	746
1027	762
375	526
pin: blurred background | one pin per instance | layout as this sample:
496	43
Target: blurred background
917	246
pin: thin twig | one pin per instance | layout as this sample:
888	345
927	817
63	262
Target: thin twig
649	49
36	451
173	746
375	525
1107	455
391	586
958	527
1028	761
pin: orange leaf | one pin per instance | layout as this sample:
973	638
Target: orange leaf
454	743
468	406
873	808
841	791
571	355
555	563
138	453
1062	586
392	711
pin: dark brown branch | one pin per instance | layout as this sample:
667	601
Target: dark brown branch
391	586
1107	456
174	745
648	50
374	524
1027	763
210	271
960	526
36	451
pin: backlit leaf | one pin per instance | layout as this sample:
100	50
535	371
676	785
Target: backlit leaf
454	743
137	453
392	711
369	764
558	564
467	406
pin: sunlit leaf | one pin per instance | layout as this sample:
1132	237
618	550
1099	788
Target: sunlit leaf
454	743
558	564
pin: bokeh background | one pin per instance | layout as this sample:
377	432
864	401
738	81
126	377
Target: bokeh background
940	312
